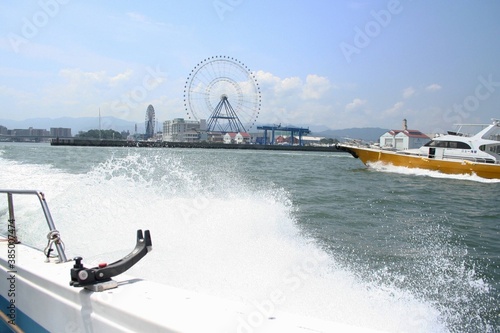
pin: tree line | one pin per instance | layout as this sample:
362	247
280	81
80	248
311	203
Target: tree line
108	134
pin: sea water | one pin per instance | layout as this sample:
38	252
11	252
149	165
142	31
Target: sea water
386	248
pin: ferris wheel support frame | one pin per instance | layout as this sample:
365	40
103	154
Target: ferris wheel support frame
234	123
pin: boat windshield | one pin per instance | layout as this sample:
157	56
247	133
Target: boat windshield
468	130
493	134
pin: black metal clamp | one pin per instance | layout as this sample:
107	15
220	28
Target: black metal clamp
99	278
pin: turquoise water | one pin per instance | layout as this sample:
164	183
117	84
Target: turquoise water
384	248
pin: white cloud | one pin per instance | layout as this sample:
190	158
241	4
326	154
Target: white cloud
293	100
394	109
121	77
143	19
14	93
77	76
315	87
287	85
433	87
77	92
408	92
358	5
356	103
136	17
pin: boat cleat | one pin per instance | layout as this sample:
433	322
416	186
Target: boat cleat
99	278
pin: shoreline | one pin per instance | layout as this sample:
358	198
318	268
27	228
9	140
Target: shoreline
167	144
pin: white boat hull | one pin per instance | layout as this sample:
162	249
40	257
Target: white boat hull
43	294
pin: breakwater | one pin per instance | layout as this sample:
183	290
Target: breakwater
167	144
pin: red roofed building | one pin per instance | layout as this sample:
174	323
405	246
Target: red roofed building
230	137
241	137
286	139
403	139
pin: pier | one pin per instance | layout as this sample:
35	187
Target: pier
167	144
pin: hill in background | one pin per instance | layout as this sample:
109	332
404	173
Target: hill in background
365	134
84	124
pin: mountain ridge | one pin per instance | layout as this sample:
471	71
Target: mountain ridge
360	133
81	124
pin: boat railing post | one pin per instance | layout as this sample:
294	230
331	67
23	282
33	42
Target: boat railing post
52	227
12	234
11	229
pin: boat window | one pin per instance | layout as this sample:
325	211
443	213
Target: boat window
431	143
493	134
442	144
448	144
494	149
463	145
495	137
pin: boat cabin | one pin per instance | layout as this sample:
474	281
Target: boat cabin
477	143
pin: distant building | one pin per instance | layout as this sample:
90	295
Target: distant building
243	137
180	130
60	132
403	139
150	122
229	138
238	138
3	130
312	140
286	139
30	132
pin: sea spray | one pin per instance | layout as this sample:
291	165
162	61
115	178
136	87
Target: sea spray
231	225
217	233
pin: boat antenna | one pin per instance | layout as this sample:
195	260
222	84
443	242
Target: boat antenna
99	123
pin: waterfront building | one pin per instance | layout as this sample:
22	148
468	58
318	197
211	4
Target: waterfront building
229	137
59	132
403	139
243	137
312	140
286	139
238	138
30	132
181	130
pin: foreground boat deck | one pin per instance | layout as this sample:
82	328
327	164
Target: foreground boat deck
137	305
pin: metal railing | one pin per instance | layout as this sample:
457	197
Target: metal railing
53	231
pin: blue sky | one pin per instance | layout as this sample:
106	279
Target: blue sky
336	64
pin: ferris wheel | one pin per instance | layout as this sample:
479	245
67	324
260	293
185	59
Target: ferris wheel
224	92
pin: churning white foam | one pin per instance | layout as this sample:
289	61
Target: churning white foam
228	240
383	167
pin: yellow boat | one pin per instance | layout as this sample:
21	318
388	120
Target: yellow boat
463	151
